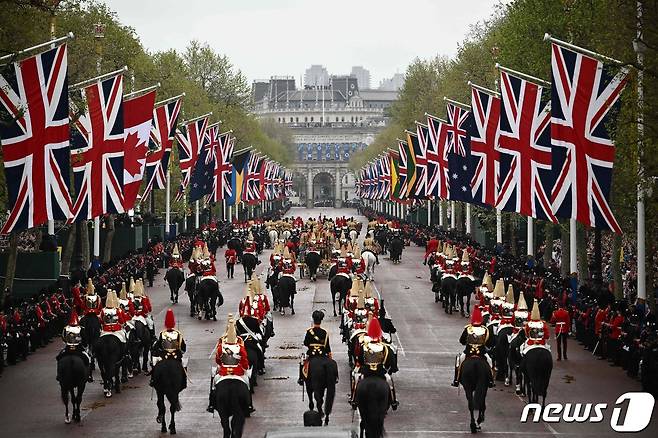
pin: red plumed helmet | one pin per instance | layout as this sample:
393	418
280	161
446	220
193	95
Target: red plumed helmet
375	330
476	317
170	320
73	319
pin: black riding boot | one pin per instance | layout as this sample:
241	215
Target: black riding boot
211	401
455	380
300	380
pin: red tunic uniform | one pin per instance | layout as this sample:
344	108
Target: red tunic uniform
231	256
542	340
232	370
562	321
432	246
114	327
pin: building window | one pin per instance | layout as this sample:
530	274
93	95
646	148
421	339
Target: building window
342	119
336	118
296	119
311	118
291	120
321	119
305	119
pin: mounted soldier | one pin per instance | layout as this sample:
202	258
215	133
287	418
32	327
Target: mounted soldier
113	318
169	345
476	338
536	331
232	363
375	358
73	342
143	309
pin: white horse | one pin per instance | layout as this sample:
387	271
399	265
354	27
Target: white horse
286	235
370	261
274	236
354	235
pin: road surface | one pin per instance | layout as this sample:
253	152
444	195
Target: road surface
427	339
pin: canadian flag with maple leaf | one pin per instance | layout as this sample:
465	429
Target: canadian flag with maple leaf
137	118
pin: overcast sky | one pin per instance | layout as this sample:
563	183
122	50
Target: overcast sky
283	37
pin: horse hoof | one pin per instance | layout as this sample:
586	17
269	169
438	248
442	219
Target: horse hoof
159	419
108	394
67	419
474	428
163	429
90	379
172	430
130	376
76	417
199	317
124	379
507	381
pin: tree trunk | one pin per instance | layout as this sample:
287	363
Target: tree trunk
11	263
107	253
615	266
84	244
548	243
597	269
564	250
581	252
68	251
514	236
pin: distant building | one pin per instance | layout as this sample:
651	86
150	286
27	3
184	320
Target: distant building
316	75
329	124
362	77
392	84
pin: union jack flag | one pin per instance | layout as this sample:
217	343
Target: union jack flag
386	176
223	169
251	191
525	149
163	131
35	139
403	171
584	92
288	184
98	155
420	151
484	139
437	160
189	147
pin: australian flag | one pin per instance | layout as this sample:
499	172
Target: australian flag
204	168
458	149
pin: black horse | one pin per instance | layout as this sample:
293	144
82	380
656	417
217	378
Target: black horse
435	277
322	377
537	366
449	292
382	238
372	397
514	360
209	298
191	289
110	353
175	279
312	260
249	262
168	381
501	354
139	343
232	402
72	373
464	288
474	378
341	285
396	245
249	329
91	331
271	282
286	289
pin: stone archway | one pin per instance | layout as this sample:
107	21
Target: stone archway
324	188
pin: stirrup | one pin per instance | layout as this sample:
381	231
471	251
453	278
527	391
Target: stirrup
455	384
395	404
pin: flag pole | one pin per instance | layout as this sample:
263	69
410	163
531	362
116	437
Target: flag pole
548	37
186	122
100	77
142	91
459	104
523	75
196	214
640	48
499	213
452	215
429	213
167	204
531	236
171	99
51	43
468	218
573	262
